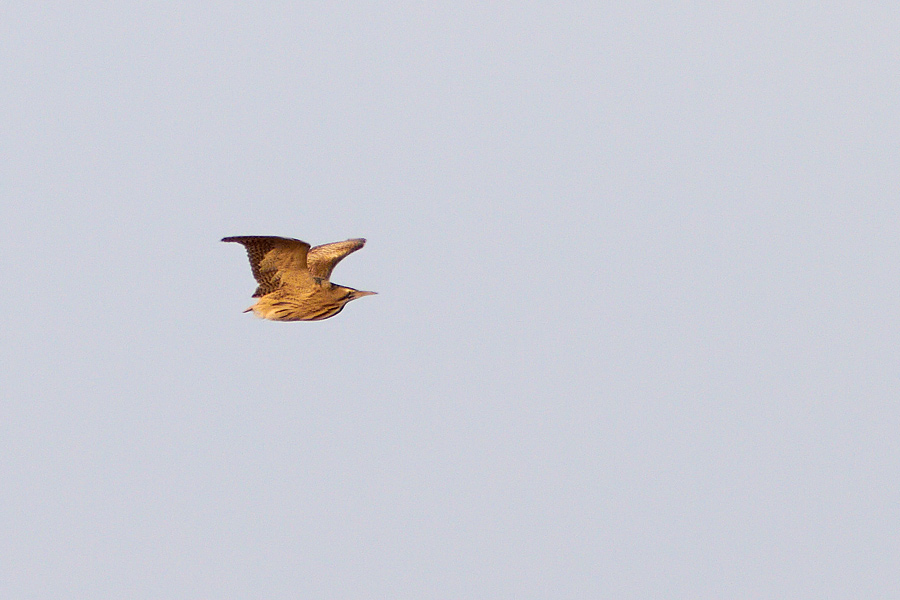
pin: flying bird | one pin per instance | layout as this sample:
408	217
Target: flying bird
295	280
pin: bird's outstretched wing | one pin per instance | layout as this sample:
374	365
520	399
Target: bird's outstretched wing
275	261
322	259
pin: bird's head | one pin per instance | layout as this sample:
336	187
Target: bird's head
346	294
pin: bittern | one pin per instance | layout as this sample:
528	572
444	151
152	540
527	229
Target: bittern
294	280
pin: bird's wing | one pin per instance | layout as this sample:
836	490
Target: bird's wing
275	261
322	259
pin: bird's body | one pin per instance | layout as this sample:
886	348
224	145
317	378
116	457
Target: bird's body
294	279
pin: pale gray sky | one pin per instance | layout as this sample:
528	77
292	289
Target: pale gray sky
636	333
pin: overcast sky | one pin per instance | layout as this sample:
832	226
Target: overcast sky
637	326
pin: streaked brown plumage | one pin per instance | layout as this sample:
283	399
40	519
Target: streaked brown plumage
294	280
